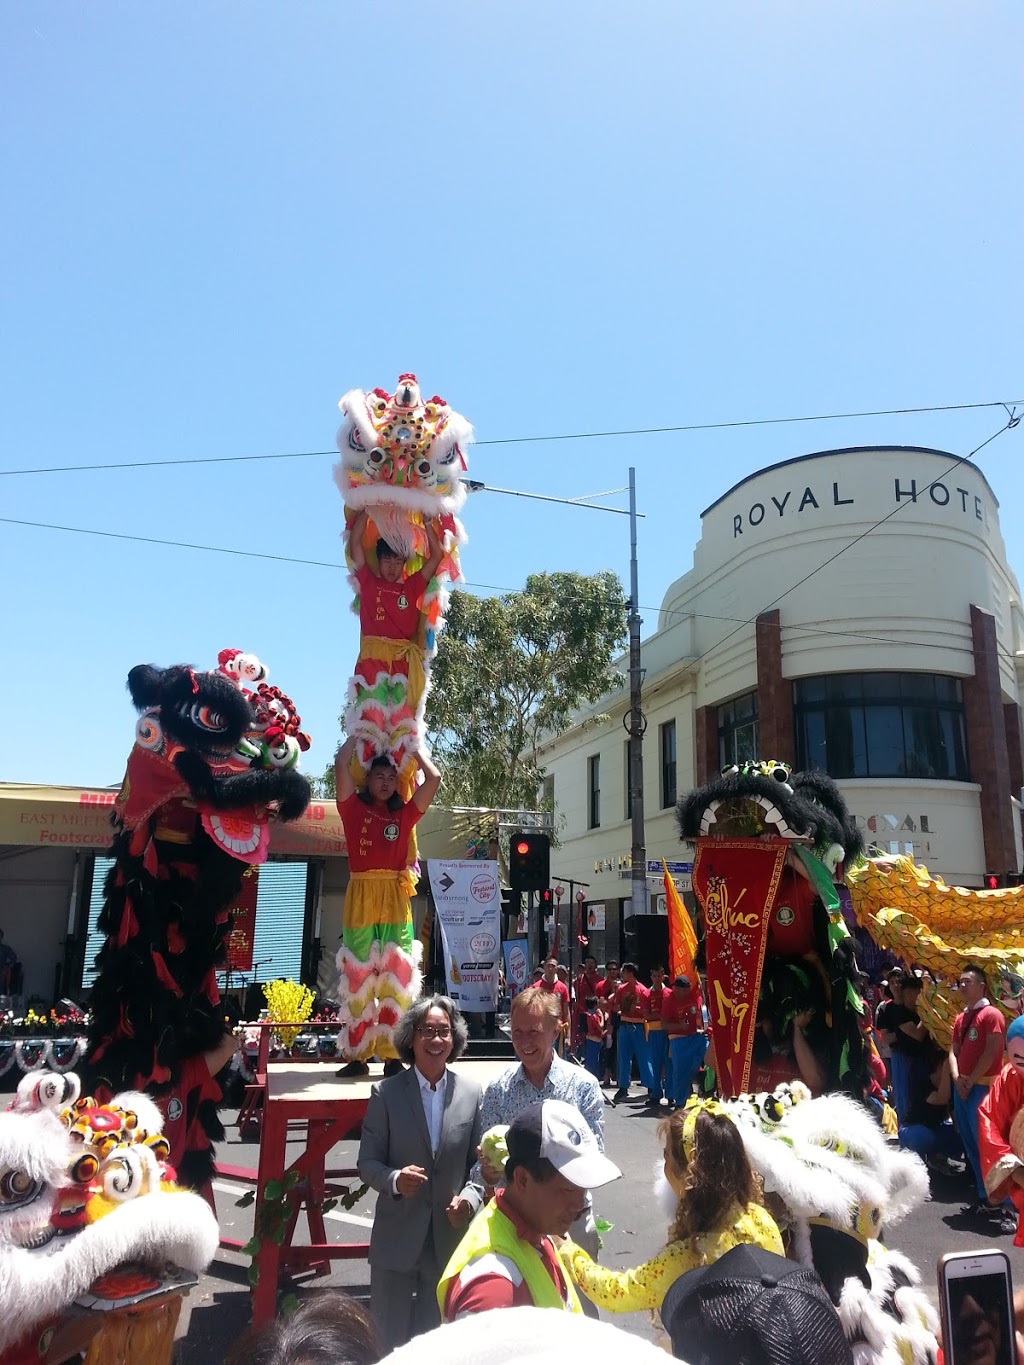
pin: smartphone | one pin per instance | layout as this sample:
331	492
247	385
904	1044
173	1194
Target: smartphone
976	1302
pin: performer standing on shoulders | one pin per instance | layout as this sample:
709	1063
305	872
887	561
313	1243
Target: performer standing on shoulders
379	975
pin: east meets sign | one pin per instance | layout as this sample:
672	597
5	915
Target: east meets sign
814	497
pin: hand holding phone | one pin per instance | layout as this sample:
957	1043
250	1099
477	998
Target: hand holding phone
976	1301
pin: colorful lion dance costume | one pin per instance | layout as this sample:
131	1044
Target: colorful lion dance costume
770	846
401	478
213	762
88	1203
832	1183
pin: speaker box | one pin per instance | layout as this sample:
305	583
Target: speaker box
645	942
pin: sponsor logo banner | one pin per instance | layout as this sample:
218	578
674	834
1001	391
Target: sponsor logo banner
467	897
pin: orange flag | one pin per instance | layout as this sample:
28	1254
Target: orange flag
682	941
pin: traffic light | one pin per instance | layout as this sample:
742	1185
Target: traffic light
529	861
546	901
991	881
1014	879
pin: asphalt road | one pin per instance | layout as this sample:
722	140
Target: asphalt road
218	1310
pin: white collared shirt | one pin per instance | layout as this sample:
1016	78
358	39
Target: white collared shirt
433	1105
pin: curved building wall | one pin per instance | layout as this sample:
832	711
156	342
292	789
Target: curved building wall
877	560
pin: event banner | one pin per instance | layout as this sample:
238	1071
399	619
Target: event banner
468	902
735	881
517	965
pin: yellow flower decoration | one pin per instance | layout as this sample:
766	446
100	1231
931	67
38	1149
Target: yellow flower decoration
288	1001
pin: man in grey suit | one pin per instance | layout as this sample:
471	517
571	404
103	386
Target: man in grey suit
419	1143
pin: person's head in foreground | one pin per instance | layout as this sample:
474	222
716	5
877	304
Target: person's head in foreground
707	1167
553	1159
753	1308
330	1328
430	1034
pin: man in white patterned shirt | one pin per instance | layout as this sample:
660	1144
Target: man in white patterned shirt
542	1075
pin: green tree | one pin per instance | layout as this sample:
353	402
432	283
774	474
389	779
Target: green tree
511	669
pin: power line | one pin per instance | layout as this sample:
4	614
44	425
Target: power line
519	440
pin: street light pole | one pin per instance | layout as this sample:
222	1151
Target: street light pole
637	722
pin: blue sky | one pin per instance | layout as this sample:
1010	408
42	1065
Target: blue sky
568	216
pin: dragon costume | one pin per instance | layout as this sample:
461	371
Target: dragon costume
770	846
212	763
402	464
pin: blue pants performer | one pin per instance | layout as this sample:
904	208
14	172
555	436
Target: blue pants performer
633	1044
660	1060
686	1053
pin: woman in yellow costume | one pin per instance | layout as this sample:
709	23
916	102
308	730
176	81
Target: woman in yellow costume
717	1208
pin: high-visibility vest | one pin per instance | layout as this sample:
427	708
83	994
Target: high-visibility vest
491	1231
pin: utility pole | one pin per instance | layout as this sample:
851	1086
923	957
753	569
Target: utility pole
637	722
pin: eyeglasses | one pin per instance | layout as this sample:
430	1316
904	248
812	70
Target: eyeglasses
429	1031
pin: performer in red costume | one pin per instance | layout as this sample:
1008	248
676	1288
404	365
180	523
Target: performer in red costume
1001	1129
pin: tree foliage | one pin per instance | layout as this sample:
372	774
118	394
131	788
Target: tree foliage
511	669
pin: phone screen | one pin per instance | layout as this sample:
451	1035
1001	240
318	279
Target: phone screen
979	1315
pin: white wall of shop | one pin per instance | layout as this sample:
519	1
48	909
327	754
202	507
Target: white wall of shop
35	890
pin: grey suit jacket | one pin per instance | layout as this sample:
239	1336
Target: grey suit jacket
395	1135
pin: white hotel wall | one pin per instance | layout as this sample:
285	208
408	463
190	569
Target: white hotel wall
902	595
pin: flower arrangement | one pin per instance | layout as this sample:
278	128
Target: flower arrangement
64	1023
287	1001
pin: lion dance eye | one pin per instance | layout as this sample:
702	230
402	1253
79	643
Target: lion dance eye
205	717
16	1188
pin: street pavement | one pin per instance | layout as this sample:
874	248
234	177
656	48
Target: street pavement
217	1311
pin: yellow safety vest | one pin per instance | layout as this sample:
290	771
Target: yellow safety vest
491	1231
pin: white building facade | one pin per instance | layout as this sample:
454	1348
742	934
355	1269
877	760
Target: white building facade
850	610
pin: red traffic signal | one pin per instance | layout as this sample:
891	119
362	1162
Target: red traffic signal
529	863
545	898
991	881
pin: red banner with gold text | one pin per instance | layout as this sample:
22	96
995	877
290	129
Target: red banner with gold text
243	922
735	881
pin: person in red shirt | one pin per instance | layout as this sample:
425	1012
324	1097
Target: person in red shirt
975	1058
606	989
657	1037
586	984
682	1020
388	687
630	1004
549	982
378	975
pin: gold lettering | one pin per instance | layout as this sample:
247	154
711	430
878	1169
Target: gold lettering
733	1020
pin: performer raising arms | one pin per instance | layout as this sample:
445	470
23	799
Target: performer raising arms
378	971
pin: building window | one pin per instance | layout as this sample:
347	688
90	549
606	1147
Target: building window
881	725
667	748
627	769
547	792
594	791
737	730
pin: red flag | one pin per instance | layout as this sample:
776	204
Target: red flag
735	881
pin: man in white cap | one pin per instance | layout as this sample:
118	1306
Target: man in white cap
507	1258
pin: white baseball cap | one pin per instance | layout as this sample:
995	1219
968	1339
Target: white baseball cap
559	1133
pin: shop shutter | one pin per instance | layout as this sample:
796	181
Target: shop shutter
280	915
94	941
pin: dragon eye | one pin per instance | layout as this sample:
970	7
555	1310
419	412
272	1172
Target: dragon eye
205	717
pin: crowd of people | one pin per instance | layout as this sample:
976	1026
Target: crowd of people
484	1198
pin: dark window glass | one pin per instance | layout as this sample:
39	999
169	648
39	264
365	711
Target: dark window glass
737	730
881	725
594	791
668	764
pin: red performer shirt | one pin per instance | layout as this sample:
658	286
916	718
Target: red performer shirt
494	1281
560	989
606	989
682	1017
377	838
656	997
999	1147
182	1127
971	1032
390	611
631	1002
594	1026
791	925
